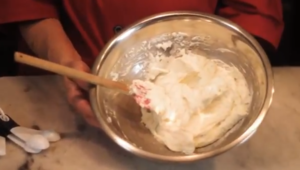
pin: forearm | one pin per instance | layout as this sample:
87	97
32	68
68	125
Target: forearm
47	39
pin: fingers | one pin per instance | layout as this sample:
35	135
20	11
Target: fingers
79	65
83	106
79	101
76	97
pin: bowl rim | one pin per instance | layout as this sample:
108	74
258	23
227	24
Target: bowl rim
199	156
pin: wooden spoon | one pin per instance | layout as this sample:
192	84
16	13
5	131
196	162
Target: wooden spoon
68	72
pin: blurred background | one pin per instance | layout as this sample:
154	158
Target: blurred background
285	56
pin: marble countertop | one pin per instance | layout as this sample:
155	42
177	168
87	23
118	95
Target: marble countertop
39	102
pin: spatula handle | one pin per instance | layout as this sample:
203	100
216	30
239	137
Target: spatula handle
68	72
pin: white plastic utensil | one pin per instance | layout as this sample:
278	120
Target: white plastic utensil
23	145
50	135
2	146
38	142
9	126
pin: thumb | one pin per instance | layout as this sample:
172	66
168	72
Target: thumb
81	66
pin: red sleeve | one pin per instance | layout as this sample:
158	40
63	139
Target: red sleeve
262	18
25	10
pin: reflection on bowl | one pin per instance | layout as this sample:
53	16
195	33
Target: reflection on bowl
127	55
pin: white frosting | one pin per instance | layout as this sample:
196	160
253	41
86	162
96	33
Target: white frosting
194	101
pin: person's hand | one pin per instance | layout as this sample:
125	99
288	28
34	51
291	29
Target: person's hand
77	93
47	39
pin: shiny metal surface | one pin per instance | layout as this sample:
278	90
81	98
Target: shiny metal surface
125	56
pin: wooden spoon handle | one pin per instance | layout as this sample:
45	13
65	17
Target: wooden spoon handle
68	72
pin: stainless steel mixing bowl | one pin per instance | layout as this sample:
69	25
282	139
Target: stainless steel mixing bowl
125	58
